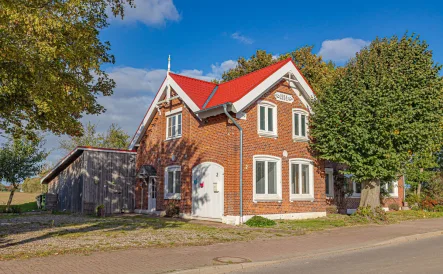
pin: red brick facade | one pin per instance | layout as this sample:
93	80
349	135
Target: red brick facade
216	139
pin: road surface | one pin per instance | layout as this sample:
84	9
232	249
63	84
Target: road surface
420	256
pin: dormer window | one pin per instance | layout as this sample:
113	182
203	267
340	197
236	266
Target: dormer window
267	119
174	126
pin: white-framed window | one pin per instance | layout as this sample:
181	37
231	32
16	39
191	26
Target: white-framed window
174	126
356	189
300	124
267	119
392	189
301	179
267	178
173	182
329	182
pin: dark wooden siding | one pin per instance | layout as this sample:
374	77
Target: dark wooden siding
68	187
109	179
95	178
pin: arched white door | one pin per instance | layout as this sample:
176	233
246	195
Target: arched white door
208	190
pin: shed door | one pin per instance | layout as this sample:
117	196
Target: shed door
207	190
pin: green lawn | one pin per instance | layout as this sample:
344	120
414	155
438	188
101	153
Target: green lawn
26	201
337	220
34	235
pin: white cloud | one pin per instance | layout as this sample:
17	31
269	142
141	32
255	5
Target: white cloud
341	50
150	12
243	39
131	80
216	71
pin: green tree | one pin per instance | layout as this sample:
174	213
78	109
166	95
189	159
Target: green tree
421	169
387	106
33	185
115	137
20	159
51	63
319	73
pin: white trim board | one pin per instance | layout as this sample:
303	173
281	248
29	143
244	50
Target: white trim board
153	108
235	220
269	82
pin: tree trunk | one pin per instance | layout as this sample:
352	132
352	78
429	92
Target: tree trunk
11	195
418	189
370	193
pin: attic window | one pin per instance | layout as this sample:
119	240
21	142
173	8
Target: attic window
174	126
267	119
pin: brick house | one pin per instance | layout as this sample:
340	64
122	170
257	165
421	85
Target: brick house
189	144
230	151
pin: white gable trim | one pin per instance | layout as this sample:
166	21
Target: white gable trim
153	108
258	91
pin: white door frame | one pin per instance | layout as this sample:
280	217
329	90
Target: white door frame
221	189
152	193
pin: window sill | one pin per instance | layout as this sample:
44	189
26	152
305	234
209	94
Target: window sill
274	198
300	139
172	197
268	134
173	138
302	199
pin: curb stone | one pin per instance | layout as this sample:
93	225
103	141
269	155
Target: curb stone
236	267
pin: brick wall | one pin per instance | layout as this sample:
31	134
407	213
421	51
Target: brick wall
216	139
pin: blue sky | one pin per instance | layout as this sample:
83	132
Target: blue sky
205	38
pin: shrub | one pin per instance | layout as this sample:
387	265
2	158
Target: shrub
172	210
413	199
377	214
100	211
438	208
394	207
259	221
331	209
428	203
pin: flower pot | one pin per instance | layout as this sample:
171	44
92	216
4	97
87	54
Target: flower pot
100	212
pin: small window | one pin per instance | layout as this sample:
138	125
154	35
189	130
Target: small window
301	179
267	119
173	182
356	189
174	126
392	189
299	124
267	178
329	182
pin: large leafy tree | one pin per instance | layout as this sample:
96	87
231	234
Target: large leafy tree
319	73
20	159
387	107
50	63
115	137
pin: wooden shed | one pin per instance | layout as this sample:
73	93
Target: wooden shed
88	177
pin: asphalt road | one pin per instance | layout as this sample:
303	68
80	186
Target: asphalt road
420	256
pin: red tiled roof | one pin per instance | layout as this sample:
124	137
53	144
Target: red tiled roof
197	90
200	91
234	90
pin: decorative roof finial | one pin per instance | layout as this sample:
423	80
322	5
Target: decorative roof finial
169	63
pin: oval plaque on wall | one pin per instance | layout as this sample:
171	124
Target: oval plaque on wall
287	98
